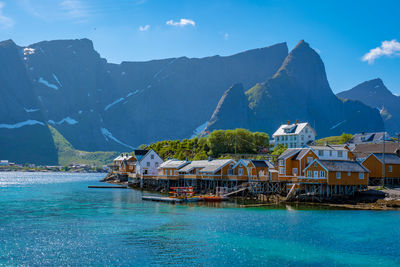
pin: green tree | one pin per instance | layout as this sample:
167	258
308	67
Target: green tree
278	150
344	138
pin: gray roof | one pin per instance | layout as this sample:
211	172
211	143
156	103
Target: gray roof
343	166
389	158
194	164
262	163
302	153
289	152
215	165
376	137
173	163
364	150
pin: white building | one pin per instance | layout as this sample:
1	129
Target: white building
4	162
331	152
294	135
147	163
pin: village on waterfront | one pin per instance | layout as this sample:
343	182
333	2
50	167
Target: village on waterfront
359	172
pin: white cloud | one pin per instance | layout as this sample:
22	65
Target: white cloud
5	22
226	36
144	28
387	48
181	23
74	9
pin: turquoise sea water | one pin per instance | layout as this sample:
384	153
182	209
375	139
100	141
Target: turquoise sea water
54	219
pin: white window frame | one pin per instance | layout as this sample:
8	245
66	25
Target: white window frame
281	170
390	168
320	153
340	154
309	160
315	174
295	171
240	172
148	164
152	156
338	175
348	173
361	175
322	174
309	174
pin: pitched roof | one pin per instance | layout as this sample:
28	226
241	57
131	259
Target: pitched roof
302	153
261	163
363	150
174	163
289	152
124	157
343	166
215	165
291	129
389	158
376	137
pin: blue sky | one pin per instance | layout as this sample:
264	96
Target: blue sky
343	32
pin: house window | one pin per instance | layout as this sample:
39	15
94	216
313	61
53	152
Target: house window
240	171
338	175
309	159
152	156
330	153
309	173
340	154
148	164
166	172
294	170
315	165
320	153
302	138
348	173
281	170
322	174
295	138
156	164
306	130
361	175
281	162
176	173
390	168
315	174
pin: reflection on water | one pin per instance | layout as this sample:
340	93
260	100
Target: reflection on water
54	219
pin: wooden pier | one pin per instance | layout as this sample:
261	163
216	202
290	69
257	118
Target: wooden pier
108	186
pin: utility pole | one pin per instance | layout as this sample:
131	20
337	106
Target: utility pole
383	160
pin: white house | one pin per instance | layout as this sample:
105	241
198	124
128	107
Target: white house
294	135
331	152
147	163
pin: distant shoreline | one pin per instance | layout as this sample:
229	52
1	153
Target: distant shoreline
52	169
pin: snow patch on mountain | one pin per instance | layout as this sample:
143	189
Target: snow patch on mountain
31	109
55	78
108	135
20	124
113	103
28	51
50	85
68	120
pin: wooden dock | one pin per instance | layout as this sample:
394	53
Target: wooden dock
108	186
163	199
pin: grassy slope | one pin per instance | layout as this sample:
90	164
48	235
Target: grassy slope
69	155
332	140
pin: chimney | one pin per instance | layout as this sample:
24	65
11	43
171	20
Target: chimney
288	122
297	121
